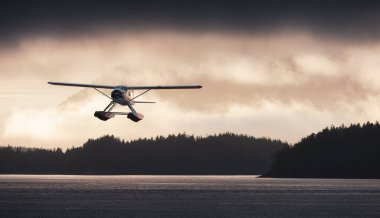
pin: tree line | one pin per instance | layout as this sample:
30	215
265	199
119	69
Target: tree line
181	154
335	152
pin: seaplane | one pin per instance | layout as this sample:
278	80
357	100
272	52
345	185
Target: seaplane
123	95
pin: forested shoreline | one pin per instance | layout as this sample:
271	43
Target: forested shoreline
224	154
335	152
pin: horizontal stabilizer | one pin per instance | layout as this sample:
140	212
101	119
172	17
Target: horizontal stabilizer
138	102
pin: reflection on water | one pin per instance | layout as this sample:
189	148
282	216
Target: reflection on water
189	196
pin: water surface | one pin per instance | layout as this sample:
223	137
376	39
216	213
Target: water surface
185	196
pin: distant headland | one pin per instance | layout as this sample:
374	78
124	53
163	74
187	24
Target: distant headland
335	152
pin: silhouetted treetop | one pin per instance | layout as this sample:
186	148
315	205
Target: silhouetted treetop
226	153
351	151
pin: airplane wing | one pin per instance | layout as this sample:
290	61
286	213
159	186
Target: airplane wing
165	87
82	85
126	87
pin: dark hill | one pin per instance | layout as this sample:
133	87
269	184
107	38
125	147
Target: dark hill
335	152
176	154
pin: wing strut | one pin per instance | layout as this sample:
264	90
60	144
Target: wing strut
103	93
140	94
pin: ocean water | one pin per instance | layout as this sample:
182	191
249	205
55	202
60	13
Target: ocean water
186	196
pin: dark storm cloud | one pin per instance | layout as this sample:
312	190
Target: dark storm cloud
348	20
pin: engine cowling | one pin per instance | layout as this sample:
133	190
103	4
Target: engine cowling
117	94
120	96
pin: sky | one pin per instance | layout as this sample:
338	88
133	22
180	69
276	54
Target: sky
278	69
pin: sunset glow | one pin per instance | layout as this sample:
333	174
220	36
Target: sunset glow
284	83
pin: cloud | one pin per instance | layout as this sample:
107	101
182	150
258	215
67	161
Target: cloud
320	92
343	20
316	64
277	85
31	123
